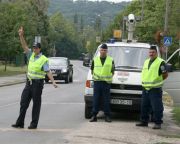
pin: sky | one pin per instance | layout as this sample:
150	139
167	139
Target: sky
110	0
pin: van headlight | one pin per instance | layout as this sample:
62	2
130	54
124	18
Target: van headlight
64	70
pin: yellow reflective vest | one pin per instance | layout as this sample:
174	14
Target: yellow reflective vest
150	77
35	67
103	72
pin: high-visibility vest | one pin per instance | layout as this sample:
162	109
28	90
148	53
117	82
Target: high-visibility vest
150	77
35	67
103	72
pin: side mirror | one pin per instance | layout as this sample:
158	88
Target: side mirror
169	67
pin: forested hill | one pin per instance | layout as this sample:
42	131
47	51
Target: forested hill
87	12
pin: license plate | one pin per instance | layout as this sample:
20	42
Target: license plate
121	102
54	74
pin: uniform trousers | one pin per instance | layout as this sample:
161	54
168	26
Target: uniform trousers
101	94
152	101
33	90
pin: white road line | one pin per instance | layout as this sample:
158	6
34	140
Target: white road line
3	106
62	103
34	130
46	103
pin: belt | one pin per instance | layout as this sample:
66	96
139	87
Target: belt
37	80
34	81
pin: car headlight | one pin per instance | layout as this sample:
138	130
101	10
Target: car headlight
64	70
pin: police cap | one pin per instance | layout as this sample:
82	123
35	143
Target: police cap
37	45
104	46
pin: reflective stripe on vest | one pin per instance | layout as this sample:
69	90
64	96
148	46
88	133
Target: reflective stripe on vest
150	77
103	72
35	67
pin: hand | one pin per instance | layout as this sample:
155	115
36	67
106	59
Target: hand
21	31
54	84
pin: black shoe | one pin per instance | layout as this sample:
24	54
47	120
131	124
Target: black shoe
107	119
32	127
93	119
142	124
156	126
17	126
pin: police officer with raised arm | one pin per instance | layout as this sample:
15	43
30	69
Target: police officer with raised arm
38	67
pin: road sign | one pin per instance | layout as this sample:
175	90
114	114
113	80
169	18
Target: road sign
117	34
167	41
37	39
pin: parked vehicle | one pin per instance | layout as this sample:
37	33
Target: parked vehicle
126	89
86	61
61	69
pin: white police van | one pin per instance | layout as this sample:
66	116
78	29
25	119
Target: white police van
126	89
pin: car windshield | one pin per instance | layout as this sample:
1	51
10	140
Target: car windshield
58	62
128	57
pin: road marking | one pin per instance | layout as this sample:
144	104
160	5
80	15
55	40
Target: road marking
34	130
62	103
3	106
46	103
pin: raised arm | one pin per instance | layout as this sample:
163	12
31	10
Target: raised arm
22	40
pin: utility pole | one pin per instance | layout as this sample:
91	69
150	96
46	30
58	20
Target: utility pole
142	9
166	26
166	17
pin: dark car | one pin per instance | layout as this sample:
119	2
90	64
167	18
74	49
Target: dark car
61	69
86	61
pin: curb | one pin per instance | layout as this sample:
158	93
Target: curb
12	83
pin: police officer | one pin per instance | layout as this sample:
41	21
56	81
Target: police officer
37	68
102	70
153	73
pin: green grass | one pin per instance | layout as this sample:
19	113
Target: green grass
12	70
176	114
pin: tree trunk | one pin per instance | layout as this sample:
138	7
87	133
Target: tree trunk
5	66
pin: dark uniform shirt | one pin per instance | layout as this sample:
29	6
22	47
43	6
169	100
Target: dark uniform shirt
162	68
103	61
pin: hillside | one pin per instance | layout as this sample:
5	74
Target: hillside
87	12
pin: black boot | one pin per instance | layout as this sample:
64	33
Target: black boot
156	126
32	127
142	124
107	119
93	119
17	126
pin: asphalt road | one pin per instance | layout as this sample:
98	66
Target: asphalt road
62	111
62	119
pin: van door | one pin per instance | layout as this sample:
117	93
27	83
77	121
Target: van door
172	83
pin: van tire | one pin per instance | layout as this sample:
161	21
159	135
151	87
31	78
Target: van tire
88	110
67	79
46	80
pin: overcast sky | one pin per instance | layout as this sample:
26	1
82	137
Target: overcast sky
110	0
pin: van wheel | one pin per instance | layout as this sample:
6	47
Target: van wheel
88	110
67	79
71	79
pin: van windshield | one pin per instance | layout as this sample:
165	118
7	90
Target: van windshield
128	57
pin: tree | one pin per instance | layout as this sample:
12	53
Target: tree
64	36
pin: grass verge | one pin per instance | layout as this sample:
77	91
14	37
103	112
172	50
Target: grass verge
176	114
11	70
